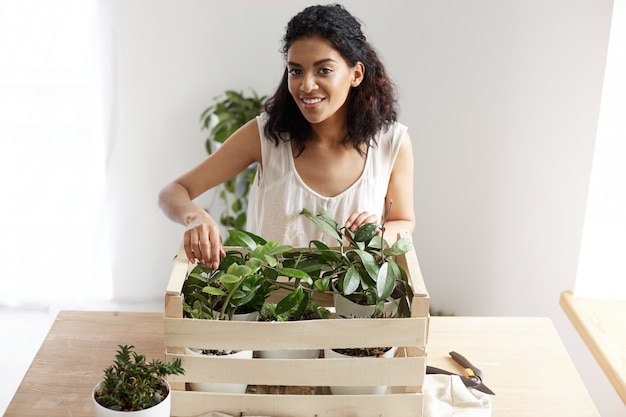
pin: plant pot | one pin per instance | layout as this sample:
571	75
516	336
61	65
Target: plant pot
357	390
219	386
252	316
242	354
346	308
162	409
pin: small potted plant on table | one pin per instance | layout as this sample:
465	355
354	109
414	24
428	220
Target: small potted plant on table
132	386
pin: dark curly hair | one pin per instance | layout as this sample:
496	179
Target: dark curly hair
372	105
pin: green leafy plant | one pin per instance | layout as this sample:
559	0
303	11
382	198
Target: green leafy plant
363	269
222	119
307	310
243	280
131	383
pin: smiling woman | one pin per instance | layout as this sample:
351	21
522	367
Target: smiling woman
329	140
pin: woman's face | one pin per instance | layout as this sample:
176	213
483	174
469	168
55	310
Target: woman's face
320	79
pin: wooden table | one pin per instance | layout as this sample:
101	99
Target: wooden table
523	360
602	325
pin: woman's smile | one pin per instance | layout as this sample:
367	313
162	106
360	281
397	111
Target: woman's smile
311	103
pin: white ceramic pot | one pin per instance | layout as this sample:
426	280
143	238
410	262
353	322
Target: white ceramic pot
218	386
242	354
357	390
348	309
162	409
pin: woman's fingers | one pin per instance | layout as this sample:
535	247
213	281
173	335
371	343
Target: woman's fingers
359	218
203	243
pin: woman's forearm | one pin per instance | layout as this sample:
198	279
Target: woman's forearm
175	202
394	227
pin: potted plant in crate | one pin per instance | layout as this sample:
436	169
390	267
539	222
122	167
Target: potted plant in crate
236	290
362	274
365	279
297	305
222	119
133	386
242	282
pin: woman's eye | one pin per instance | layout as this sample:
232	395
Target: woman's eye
325	70
294	71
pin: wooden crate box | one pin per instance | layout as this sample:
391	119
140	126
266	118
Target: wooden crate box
299	387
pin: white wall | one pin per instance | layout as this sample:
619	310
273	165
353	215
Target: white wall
501	99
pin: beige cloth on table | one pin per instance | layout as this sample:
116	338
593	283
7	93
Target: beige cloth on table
447	396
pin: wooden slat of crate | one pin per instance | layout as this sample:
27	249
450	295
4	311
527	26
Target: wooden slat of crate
399	371
188	404
337	333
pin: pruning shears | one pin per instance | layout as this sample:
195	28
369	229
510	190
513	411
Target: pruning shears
473	377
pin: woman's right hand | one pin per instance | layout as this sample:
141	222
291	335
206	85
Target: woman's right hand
202	240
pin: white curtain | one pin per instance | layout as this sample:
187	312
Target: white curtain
51	154
601	267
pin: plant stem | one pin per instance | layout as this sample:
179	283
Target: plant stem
227	301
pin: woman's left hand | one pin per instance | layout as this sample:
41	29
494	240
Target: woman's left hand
359	218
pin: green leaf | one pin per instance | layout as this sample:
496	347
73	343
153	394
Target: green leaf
237	205
213	291
302	307
351	281
271	260
404	308
229	279
290	301
293	273
240	221
366	232
243	239
326	253
230	186
369	263
246	298
239	271
321	285
279	249
327	226
401	246
227	220
385	282
377	242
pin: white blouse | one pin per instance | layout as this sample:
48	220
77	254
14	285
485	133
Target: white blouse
278	194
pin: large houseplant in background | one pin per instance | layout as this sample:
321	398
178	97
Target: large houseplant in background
222	119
